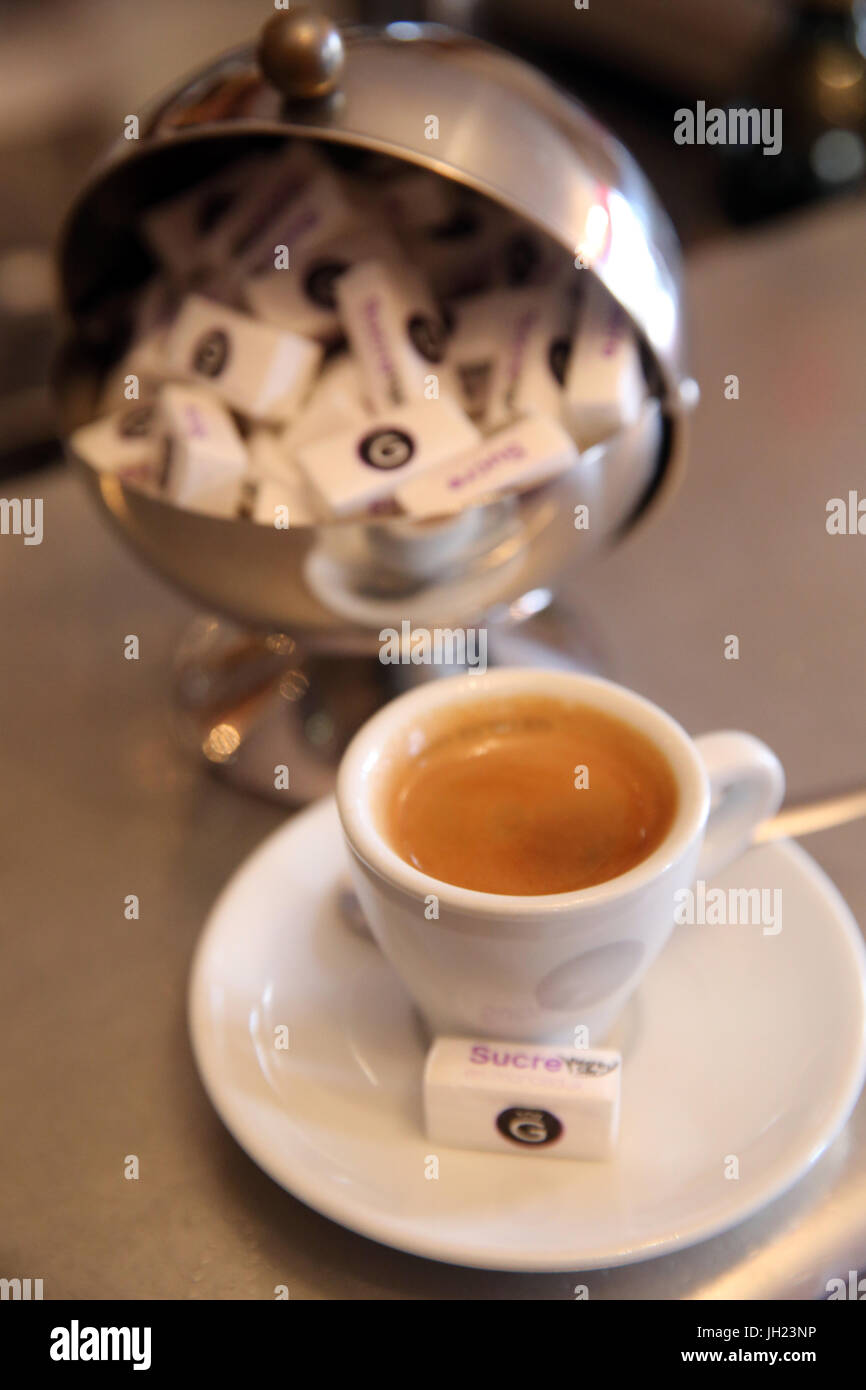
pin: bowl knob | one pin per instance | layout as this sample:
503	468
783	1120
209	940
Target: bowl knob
301	53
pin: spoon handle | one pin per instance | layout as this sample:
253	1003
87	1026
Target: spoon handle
811	816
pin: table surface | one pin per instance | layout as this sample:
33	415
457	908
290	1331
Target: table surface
99	803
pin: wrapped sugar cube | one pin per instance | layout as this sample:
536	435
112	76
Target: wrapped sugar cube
525	256
395	330
365	464
178	228
144	365
509	349
272	185
318	213
481	248
127	443
534	378
473	349
146	357
303	296
534	328
523	1098
605	386
262	371
224	286
281	494
205	456
335	404
458	257
521	456
417	201
124	386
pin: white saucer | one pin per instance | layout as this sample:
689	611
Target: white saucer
737	1043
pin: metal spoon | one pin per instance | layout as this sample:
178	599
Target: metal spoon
811	816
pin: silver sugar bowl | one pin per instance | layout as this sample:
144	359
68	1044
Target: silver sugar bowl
289	685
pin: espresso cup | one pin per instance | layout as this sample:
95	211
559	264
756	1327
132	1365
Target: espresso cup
538	968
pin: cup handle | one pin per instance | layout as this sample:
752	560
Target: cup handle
747	784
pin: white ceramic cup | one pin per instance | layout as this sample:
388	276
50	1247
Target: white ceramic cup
536	968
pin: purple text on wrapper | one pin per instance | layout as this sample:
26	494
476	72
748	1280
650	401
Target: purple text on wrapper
506	455
482	1055
302	225
521	337
371	310
196	426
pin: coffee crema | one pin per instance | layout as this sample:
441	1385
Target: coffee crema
528	795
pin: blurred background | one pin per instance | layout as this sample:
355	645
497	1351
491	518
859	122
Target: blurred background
70	70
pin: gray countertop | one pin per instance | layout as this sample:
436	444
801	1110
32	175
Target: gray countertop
99	802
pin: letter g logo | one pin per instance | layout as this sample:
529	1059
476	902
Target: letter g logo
525	1126
387	448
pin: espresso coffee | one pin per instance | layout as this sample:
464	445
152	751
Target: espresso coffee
527	795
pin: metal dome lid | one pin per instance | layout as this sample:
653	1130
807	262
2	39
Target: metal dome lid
420	93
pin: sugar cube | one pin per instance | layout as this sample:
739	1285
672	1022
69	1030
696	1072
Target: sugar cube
126	442
523	1098
605	385
275	181
303	296
354	469
334	404
262	371
205	456
396	332
534	328
178	227
282	496
521	456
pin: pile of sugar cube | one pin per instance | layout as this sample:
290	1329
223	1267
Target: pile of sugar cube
323	342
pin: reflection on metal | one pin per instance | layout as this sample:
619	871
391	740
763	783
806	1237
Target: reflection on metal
113	495
221	743
529	605
320	729
294	685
